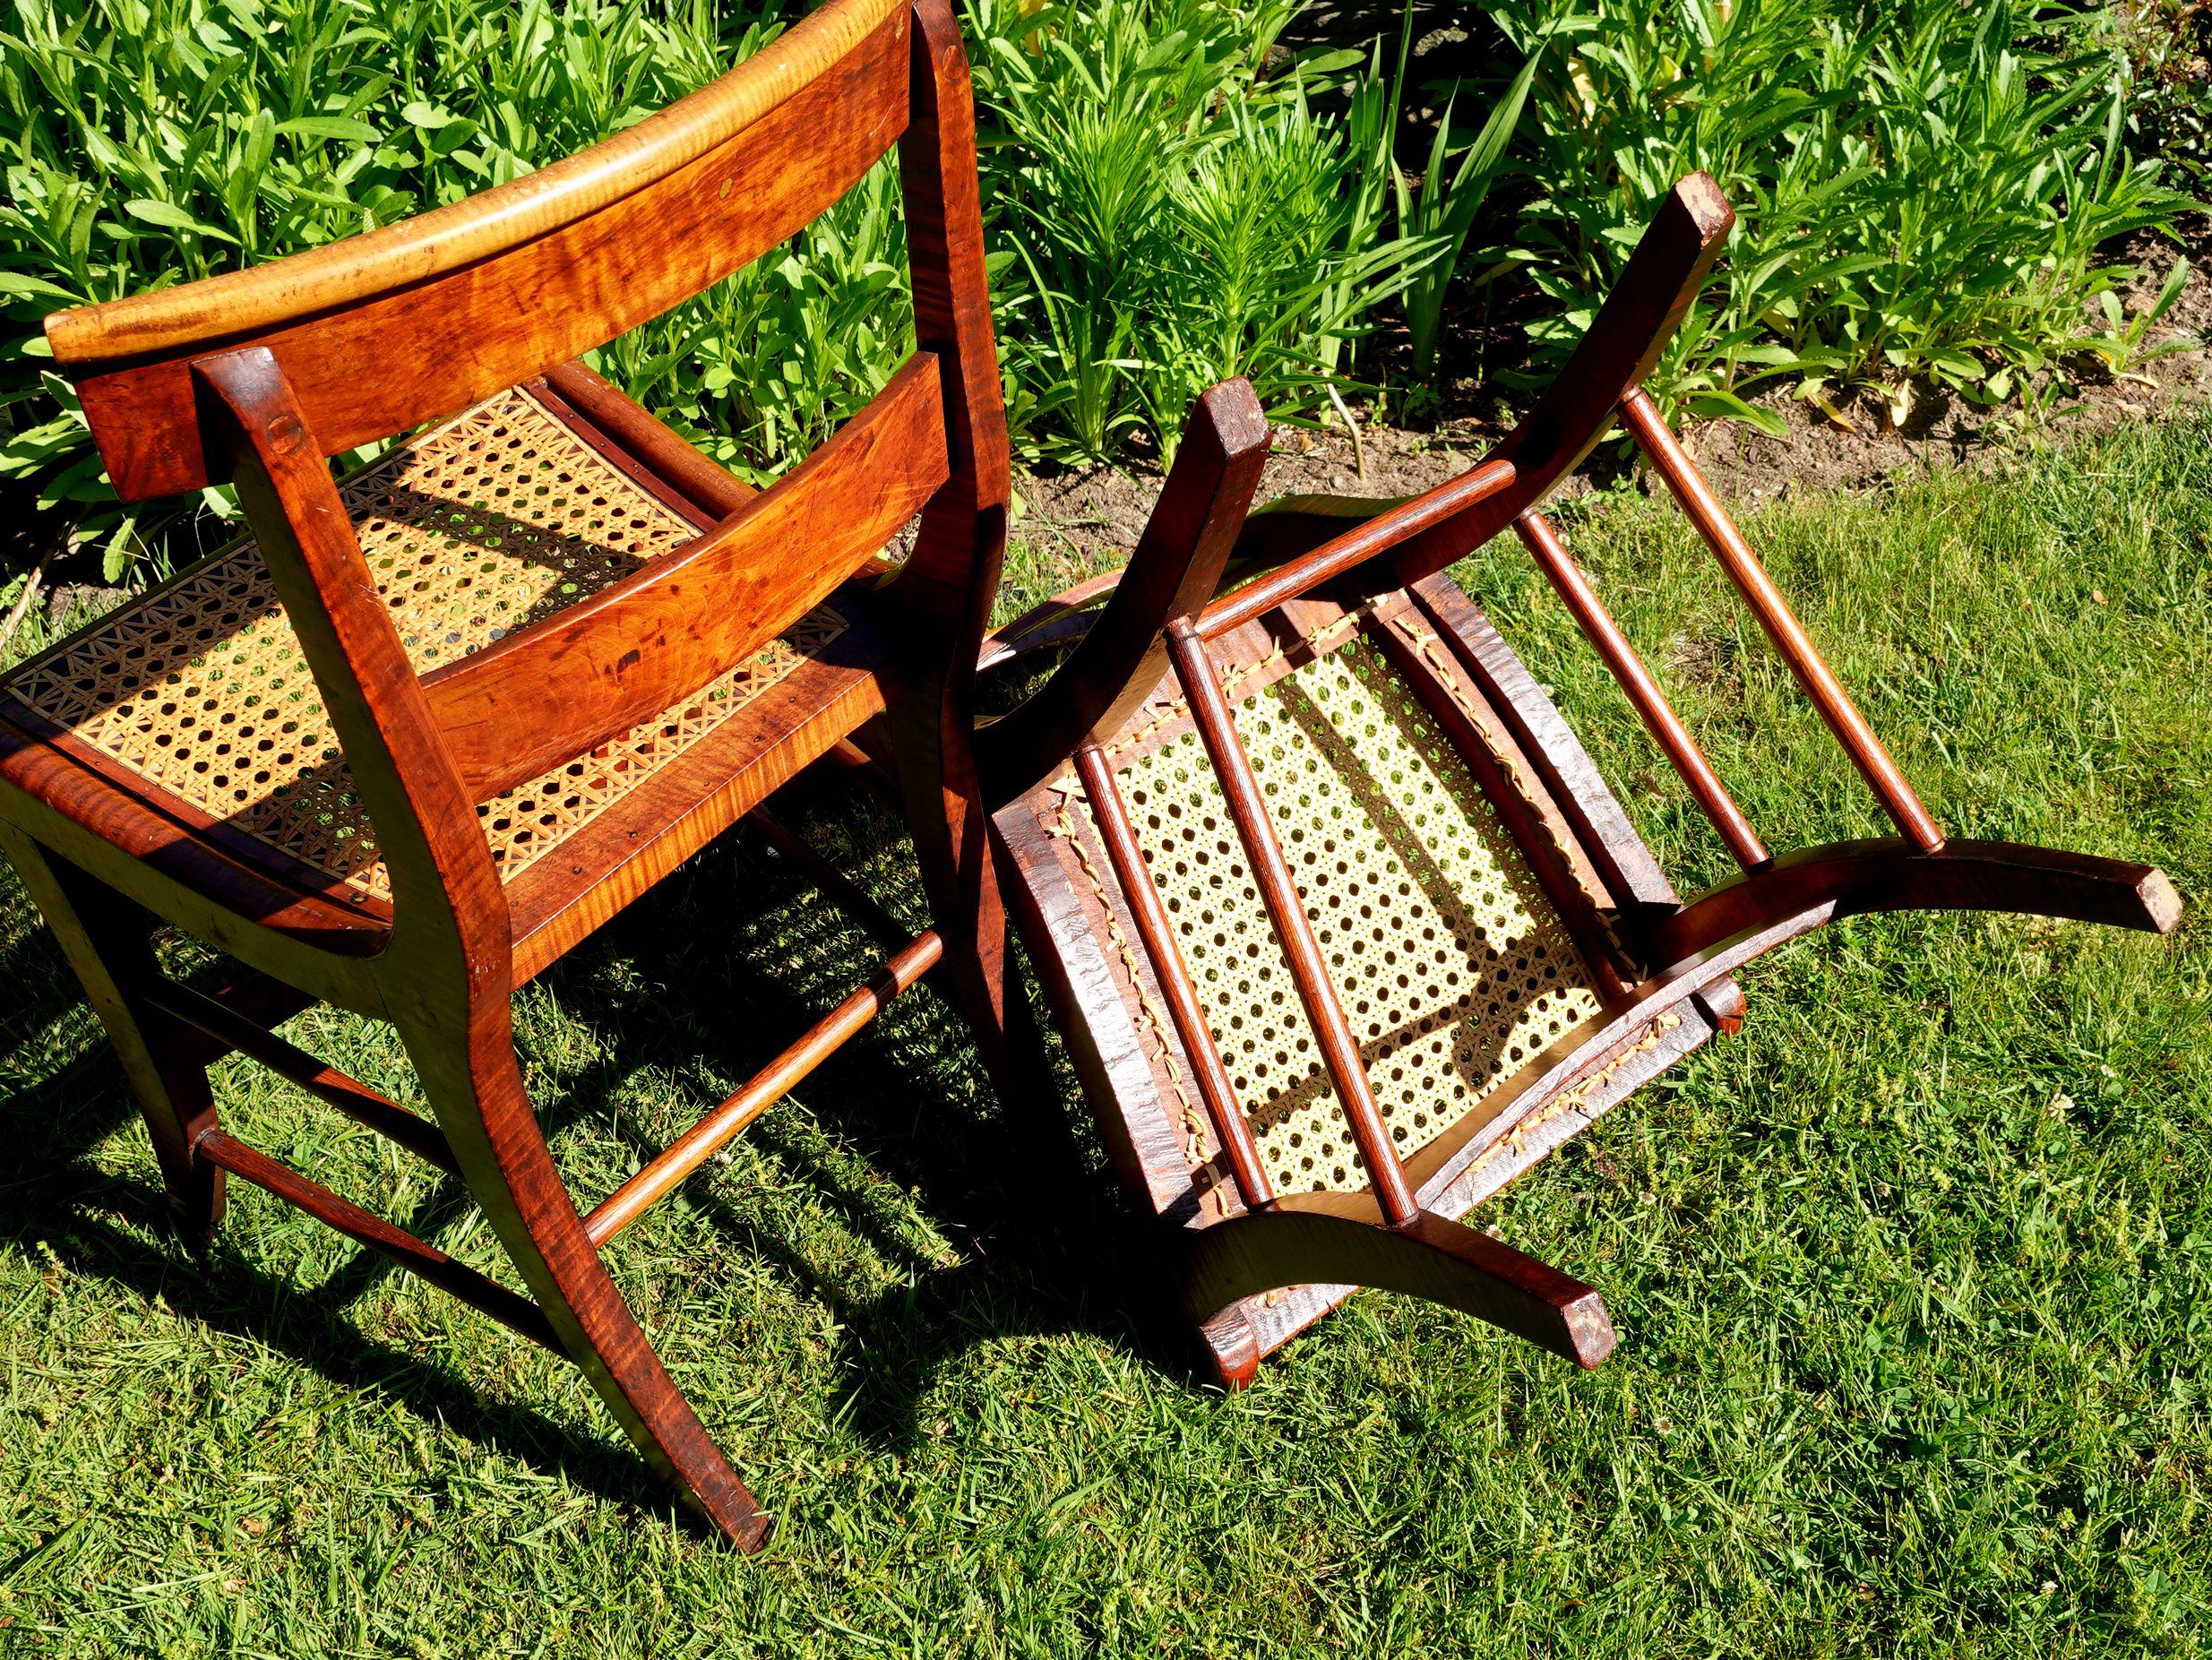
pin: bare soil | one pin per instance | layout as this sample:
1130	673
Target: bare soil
1083	518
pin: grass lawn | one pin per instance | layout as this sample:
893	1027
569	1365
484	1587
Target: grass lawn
1914	1277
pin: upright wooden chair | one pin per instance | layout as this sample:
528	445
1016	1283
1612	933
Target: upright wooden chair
425	729
1344	928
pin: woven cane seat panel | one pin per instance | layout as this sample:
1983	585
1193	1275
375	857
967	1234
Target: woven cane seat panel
1453	967
480	526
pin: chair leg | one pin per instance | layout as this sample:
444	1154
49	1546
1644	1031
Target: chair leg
475	1090
108	945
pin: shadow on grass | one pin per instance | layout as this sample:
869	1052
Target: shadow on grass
1048	1250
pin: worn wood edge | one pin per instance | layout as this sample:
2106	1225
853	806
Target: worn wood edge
1068	949
1118	1078
1431	1257
1278	1316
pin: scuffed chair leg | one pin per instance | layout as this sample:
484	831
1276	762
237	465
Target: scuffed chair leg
112	957
1309	1240
1808	887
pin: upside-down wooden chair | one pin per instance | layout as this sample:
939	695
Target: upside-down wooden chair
1343	926
422	730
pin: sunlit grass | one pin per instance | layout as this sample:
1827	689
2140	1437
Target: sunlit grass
1911	1276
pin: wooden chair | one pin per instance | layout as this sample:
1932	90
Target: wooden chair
1344	928
425	729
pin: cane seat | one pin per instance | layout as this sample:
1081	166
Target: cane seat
195	704
1455	968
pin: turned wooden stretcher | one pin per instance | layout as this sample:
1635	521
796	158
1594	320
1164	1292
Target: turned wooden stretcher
1344	929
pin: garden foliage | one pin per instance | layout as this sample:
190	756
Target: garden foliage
152	142
1169	214
1928	193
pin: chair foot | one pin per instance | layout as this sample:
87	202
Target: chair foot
475	1088
1809	887
1310	1241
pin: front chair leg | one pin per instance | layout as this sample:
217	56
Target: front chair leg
1308	1239
108	947
475	1090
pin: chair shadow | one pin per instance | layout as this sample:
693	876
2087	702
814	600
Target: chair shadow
1049	1248
1047	1245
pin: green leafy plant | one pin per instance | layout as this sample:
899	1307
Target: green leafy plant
1923	189
152	142
2167	45
1177	214
761	368
1439	207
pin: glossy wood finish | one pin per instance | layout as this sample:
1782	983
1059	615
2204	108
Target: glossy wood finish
496	288
294	1064
444	977
1174	570
942	594
597	667
257	378
1794	646
1339	1047
1356	546
559	902
1643	693
713	492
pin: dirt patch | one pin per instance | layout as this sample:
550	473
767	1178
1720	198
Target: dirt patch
1862	450
1082	518
1085	517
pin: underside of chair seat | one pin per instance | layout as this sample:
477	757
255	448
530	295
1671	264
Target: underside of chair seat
1453	967
1486	1030
192	705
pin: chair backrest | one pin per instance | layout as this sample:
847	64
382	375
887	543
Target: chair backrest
383	331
